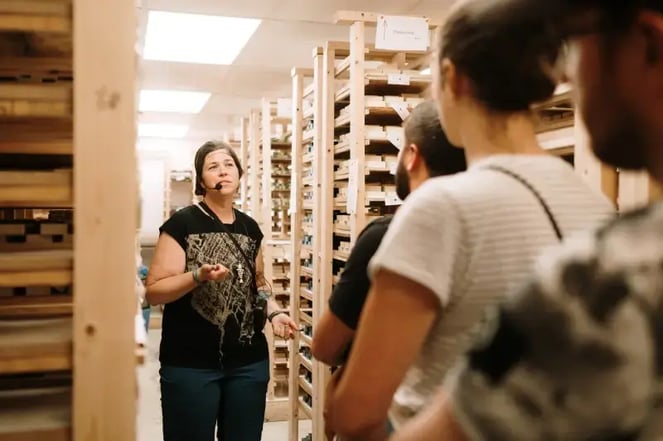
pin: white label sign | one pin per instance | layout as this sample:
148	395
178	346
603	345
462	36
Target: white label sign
391	198
398	79
402	33
402	110
351	202
396	139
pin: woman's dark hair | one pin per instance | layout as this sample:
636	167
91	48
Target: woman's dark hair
199	161
422	128
510	68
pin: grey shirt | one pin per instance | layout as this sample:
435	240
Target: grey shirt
471	238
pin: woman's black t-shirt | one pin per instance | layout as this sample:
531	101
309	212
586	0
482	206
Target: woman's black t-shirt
212	326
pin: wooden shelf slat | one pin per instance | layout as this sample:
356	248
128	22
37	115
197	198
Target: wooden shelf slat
37	69
40	136
51	16
36	268
35	414
36	188
36	100
30	307
36	261
35	345
305	385
305	407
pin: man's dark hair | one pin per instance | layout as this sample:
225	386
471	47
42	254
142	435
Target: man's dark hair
423	129
199	161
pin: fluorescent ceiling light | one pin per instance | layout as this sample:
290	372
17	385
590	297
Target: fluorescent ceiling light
194	38
178	101
162	130
425	71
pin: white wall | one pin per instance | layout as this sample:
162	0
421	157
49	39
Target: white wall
155	158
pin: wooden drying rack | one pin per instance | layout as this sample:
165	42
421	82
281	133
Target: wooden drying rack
53	106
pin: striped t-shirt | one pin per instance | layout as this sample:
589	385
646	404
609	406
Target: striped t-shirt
472	238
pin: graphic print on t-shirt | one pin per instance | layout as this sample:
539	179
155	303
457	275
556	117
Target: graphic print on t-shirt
230	298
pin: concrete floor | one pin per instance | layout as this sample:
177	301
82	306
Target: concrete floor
149	409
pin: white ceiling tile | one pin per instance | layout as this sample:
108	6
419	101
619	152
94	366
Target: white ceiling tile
181	76
165	118
290	31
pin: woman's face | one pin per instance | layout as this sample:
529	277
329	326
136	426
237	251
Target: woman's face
443	96
219	167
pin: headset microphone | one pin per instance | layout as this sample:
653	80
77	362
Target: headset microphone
217	187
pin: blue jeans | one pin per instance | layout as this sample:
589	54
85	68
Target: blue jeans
193	401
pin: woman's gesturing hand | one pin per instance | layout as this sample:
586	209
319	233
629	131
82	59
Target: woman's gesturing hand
215	273
284	327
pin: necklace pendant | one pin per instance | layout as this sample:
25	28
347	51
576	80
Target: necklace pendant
239	269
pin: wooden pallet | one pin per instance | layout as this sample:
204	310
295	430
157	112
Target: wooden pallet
35	345
36	268
36	188
35	414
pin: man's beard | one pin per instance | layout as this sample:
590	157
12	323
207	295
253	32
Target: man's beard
622	144
402	182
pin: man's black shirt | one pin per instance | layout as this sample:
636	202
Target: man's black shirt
349	296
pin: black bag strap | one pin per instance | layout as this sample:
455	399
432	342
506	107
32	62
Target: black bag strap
225	229
546	208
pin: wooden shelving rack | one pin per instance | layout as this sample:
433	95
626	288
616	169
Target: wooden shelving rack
561	132
244	158
67	163
274	148
305	306
253	193
180	191
344	178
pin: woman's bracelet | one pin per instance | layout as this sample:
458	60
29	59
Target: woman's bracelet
196	277
274	314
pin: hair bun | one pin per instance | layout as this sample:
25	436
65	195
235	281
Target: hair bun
510	68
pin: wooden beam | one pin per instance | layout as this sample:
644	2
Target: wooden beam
266	177
244	152
301	71
296	242
636	190
324	221
351	17
105	187
357	127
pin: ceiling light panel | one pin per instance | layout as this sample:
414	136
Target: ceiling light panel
194	38
162	130
177	101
